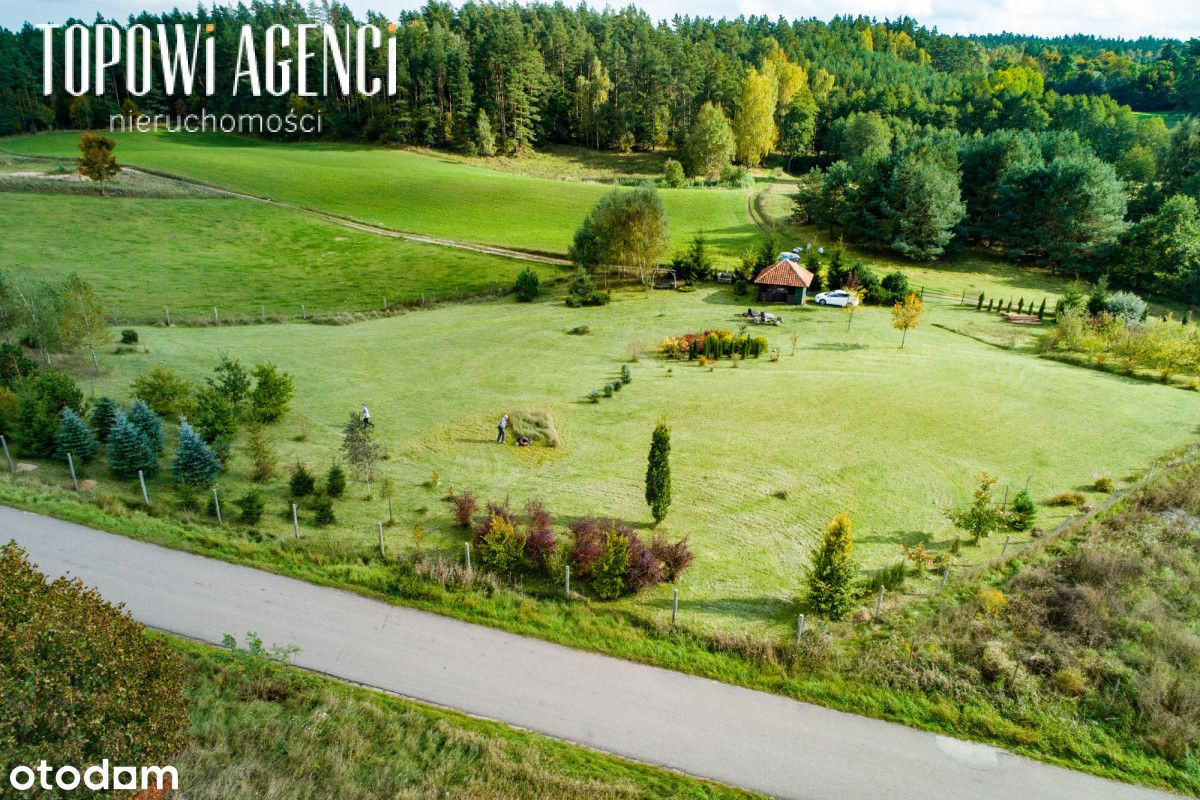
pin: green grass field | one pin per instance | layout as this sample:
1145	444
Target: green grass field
253	722
410	191
1171	118
143	255
849	423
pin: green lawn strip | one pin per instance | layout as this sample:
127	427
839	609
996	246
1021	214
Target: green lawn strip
411	191
242	257
260	728
832	669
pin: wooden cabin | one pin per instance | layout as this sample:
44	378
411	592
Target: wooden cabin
784	282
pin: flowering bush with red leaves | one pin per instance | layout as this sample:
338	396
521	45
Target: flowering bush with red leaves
675	556
465	506
540	540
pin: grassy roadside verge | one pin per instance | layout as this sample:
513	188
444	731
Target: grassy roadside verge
255	720
842	667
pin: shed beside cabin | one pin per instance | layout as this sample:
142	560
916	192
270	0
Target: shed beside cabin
784	282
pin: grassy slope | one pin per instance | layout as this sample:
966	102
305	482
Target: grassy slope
253	722
849	423
410	191
191	255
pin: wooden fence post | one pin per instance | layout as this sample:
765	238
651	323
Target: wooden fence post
217	506
11	466
142	481
295	521
71	464
879	602
799	627
468	546
1007	542
216	318
382	553
675	606
567	584
945	576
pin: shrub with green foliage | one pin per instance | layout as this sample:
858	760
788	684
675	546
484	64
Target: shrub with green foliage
323	511
128	451
129	336
1127	307
214	415
302	483
658	472
527	286
149	424
673	176
258	450
1023	513
272	392
830	589
194	464
626	374
500	545
8	410
335	481
251	507
608	572
40	401
14	365
80	679
981	518
232	380
75	438
104	411
167	394
582	291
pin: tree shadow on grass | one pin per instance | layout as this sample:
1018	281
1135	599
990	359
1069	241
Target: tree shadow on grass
840	347
906	538
755	609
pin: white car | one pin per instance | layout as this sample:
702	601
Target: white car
788	256
839	297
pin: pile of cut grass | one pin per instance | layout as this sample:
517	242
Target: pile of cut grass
537	426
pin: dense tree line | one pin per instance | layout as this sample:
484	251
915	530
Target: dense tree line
487	76
1147	73
1053	197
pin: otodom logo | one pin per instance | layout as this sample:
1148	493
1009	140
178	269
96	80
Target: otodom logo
97	778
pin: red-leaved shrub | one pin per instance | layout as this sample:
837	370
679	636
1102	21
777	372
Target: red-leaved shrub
675	557
540	540
644	570
465	505
587	546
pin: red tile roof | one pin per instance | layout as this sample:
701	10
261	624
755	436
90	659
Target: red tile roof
785	273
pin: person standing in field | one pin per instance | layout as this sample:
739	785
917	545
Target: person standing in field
501	429
366	416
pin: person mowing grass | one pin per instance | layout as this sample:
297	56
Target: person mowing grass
501	429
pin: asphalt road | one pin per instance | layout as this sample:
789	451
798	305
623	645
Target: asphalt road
733	735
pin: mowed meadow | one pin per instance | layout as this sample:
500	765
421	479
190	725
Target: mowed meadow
763	454
408	191
144	255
